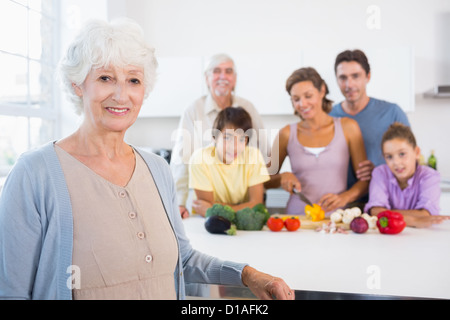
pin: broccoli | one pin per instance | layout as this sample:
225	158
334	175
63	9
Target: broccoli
262	208
246	219
223	211
249	219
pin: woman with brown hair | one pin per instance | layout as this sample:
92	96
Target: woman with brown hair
319	148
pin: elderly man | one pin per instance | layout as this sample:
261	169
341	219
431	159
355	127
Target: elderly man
374	116
197	121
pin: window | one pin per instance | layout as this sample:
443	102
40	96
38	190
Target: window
28	59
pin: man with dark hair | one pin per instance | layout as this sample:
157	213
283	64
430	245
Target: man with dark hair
374	116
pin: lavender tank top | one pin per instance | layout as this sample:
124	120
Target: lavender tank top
321	174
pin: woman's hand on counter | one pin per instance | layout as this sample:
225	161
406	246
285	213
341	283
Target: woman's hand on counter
424	222
420	218
265	286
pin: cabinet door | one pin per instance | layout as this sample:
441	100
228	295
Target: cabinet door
261	79
180	82
392	73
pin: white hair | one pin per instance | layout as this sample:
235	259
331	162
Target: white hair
217	59
104	44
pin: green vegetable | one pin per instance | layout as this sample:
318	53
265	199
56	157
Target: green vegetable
432	161
249	219
246	219
222	211
262	208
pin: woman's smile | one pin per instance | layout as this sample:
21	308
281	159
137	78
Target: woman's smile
305	111
118	111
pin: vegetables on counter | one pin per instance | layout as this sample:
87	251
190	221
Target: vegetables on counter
351	217
262	208
336	216
345	216
331	227
390	222
355	220
387	222
371	220
275	224
220	210
315	212
222	219
250	219
246	219
219	225
359	225
292	224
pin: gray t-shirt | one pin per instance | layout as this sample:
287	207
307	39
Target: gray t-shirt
373	120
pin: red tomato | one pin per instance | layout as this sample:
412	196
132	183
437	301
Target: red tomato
275	223
292	223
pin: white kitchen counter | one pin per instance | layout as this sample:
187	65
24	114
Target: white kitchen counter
415	263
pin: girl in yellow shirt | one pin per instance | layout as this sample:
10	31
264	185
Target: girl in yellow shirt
229	171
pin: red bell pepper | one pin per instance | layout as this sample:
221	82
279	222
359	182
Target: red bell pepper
390	222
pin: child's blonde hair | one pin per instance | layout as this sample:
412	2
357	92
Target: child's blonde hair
398	130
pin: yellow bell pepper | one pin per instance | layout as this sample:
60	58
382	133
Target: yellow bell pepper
315	212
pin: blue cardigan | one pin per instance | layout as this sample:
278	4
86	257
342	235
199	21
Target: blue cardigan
36	231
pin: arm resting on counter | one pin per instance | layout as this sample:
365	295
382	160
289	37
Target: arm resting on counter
265	286
414	218
201	268
205	199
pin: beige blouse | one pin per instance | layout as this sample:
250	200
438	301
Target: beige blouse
124	245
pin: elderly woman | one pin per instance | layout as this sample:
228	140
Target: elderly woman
91	217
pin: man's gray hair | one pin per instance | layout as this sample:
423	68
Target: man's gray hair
217	59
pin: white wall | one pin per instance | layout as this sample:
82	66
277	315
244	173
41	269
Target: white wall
205	27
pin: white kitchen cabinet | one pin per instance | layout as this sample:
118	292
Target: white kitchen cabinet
262	79
180	81
392	73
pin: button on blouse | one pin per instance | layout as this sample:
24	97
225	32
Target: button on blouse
123	243
132	215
